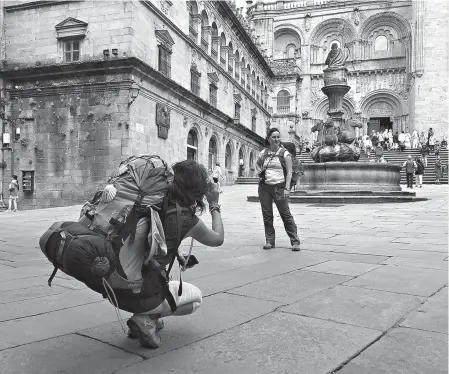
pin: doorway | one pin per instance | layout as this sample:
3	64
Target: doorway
379	124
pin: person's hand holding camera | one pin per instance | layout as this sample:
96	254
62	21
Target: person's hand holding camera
213	194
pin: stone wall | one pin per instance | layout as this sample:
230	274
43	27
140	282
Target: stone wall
430	90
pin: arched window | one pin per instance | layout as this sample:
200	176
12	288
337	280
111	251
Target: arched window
193	12
228	157
290	51
237	66
381	43
192	145
230	60
248	78
251	160
242	72
283	102
204	34
223	49
212	153
214	49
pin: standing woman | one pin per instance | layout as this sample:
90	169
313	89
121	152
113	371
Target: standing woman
13	194
419	172
274	186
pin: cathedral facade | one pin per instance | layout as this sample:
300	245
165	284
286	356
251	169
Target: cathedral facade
397	65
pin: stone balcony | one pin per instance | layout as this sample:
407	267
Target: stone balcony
284	67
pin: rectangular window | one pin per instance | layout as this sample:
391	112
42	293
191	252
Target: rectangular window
195	82
237	111
71	50
213	95
164	61
253	124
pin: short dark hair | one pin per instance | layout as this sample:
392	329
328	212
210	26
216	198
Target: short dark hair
15	177
271	131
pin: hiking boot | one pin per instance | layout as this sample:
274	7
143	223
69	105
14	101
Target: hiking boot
145	328
295	247
133	333
268	246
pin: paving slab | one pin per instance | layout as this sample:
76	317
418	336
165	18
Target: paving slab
356	306
47	304
228	280
276	343
342	268
290	287
401	279
217	313
61	322
403	351
29	293
432	315
65	354
423	263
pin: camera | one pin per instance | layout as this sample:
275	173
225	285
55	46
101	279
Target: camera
262	177
191	262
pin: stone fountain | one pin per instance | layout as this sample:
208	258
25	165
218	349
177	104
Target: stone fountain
336	174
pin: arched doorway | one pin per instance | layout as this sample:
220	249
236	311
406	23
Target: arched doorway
228	157
192	145
241	162
213	153
380	116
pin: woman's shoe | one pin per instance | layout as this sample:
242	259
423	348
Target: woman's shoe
295	247
269	246
145	328
133	332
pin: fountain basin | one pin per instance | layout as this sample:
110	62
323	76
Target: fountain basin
356	176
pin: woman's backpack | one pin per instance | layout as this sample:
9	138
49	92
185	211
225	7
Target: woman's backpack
89	250
297	167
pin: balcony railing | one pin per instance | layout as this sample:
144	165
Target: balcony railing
230	70
204	45
214	54
283	109
223	62
243	82
253	93
248	88
193	34
237	76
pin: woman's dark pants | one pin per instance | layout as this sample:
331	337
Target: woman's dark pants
268	194
409	180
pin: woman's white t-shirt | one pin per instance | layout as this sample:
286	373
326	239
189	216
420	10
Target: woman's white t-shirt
275	172
217	172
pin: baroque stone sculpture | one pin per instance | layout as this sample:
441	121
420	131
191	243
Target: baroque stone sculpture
336	57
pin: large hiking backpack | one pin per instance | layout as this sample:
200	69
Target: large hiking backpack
297	167
89	249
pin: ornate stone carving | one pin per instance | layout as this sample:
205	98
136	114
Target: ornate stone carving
165	6
381	109
307	22
164	38
71	28
305	114
336	57
206	131
162	120
185	122
356	16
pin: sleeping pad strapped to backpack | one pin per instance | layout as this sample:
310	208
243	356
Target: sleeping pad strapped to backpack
89	249
297	167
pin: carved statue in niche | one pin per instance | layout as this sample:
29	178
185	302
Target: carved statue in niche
162	120
307	21
336	57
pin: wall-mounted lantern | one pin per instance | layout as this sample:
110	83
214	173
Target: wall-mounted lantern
133	93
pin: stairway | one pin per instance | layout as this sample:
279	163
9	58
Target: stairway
393	156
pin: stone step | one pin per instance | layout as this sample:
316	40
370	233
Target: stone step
348	199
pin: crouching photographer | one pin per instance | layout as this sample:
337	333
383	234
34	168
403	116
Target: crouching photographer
191	186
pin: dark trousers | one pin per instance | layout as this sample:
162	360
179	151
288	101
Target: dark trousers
268	194
409	180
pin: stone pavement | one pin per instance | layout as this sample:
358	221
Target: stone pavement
367	294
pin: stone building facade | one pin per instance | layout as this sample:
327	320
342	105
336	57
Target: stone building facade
398	61
88	83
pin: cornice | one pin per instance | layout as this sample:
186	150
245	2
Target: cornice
36	4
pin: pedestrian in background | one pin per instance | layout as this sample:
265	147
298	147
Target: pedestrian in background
419	172
415	138
408	140
274	186
424	153
216	175
438	169
13	194
410	167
